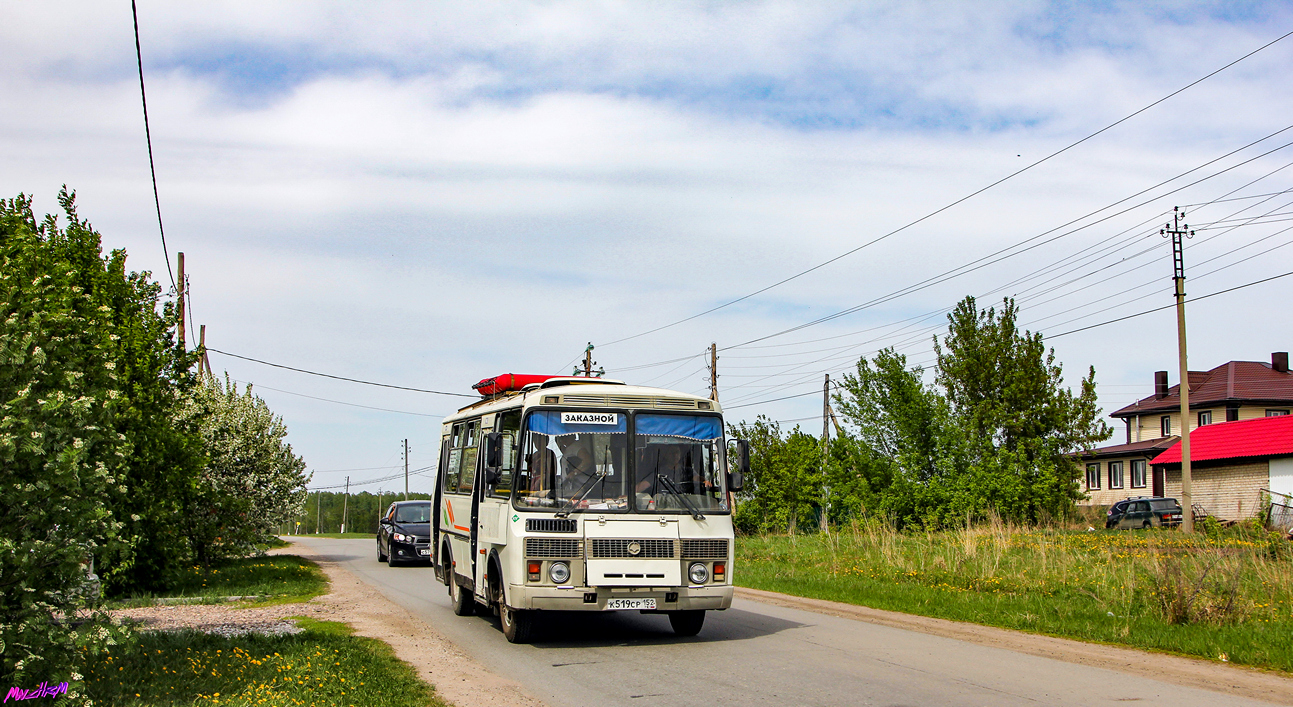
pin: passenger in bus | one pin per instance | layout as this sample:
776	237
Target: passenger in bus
577	464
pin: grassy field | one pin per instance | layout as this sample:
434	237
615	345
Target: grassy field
325	666
1226	595
274	579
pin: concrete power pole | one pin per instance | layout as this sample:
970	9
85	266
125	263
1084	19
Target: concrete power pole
1176	230
179	290
406	470
318	511
826	448
713	371
345	506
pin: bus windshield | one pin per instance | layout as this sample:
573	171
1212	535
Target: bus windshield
574	460
677	463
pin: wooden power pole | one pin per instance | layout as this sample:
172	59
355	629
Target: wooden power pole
1176	230
713	371
826	448
179	290
345	506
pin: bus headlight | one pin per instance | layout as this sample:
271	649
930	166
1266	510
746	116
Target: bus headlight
559	572
698	573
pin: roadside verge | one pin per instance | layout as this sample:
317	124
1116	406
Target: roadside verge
1179	670
458	678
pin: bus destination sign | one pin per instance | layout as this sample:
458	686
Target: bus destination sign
590	418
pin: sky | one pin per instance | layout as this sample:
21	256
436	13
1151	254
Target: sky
428	194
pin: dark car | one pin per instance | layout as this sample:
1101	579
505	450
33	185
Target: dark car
404	534
1144	512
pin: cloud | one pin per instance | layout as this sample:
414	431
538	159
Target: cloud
429	194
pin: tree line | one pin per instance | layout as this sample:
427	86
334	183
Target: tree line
989	431
120	464
323	511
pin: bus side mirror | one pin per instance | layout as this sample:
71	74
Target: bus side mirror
493	450
736	480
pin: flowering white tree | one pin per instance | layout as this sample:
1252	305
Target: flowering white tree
252	481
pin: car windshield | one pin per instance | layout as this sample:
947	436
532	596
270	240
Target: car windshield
677	463
575	461
413	513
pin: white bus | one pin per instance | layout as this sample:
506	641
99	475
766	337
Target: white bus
584	494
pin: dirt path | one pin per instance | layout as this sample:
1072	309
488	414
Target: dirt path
458	678
1178	670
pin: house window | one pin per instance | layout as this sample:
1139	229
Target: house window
1093	476
1276	413
1232	412
1165	425
1205	418
1138	473
1115	475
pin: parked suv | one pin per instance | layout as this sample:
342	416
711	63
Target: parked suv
404	534
1144	512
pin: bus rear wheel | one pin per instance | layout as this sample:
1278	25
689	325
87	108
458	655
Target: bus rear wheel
518	624
687	623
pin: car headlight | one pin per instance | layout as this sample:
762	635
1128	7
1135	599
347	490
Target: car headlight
698	573
402	538
559	572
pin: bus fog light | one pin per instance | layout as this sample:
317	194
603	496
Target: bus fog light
559	572
698	573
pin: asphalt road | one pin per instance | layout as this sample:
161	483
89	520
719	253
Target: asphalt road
754	654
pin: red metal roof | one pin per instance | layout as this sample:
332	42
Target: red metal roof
1237	381
1262	437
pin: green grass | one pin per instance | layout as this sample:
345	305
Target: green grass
343	536
275	579
325	666
1128	588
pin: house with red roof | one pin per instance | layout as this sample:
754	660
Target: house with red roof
1235	391
1233	463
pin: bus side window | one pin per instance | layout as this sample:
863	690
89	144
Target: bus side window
509	425
455	456
470	442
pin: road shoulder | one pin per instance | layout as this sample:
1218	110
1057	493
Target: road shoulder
1178	670
458	678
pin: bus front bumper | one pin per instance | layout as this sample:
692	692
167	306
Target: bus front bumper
717	596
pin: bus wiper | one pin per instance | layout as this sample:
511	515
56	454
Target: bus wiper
587	487
673	489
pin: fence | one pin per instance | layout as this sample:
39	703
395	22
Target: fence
1281	511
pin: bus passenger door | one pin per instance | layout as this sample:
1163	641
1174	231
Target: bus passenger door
437	498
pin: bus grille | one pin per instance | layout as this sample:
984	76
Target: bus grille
650	548
551	525
553	547
704	549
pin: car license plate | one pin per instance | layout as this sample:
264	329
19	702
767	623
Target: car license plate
623	604
424	551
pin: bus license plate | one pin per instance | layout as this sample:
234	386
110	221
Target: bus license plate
623	604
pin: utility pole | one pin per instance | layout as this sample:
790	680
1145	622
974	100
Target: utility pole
205	363
406	470
179	290
587	369
379	506
345	507
1176	230
318	511
826	448
713	371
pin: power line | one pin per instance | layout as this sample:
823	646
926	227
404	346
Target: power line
956	202
339	402
143	97
1170	306
340	378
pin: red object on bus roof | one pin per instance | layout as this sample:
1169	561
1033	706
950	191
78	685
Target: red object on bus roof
507	382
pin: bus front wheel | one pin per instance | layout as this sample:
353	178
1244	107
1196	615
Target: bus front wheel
687	623
518	624
463	600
